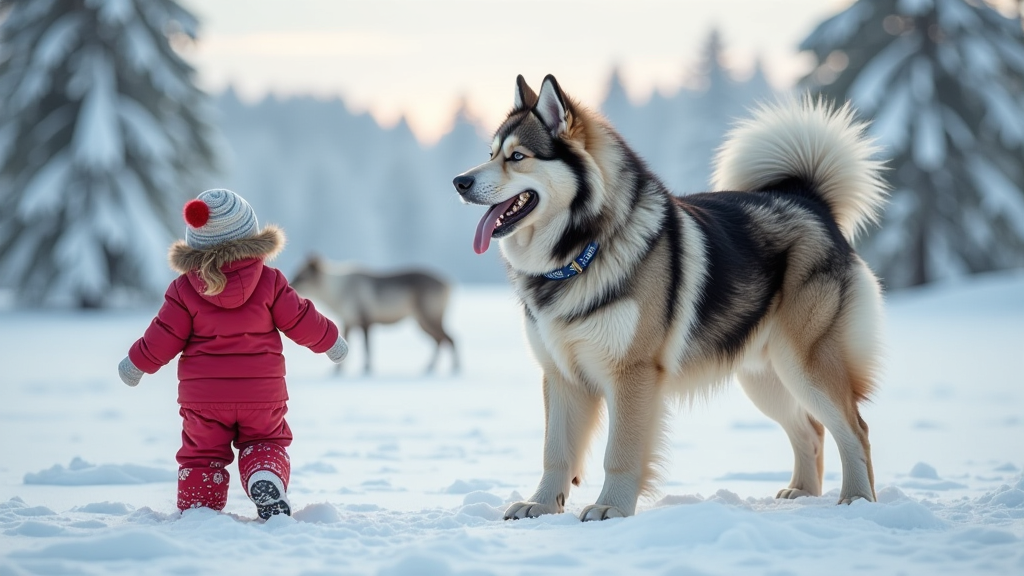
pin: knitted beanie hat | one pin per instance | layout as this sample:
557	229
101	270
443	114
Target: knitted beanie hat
217	216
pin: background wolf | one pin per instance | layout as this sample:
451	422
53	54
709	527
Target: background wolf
758	280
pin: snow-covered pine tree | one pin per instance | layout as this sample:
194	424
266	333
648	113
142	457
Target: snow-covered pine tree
102	136
943	83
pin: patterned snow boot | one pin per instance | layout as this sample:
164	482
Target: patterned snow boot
265	470
266	490
203	487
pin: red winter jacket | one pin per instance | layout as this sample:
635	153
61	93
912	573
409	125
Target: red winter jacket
229	343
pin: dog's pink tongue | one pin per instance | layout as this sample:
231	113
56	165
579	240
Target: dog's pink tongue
486	226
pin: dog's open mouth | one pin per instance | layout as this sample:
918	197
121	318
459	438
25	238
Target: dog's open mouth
501	219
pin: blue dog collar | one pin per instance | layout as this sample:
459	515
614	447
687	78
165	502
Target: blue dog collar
577	266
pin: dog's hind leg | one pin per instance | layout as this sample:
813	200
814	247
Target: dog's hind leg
570	414
805	433
636	432
827	356
826	385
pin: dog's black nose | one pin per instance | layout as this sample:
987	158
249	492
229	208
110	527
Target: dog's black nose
463	183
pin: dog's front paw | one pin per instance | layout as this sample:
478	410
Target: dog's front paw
792	494
521	510
600	512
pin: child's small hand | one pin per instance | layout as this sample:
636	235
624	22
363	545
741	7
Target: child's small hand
129	374
338	352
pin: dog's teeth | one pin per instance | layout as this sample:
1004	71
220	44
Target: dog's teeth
524	196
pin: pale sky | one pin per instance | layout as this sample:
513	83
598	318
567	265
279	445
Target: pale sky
420	58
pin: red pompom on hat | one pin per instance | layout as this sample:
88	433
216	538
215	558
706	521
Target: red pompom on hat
197	213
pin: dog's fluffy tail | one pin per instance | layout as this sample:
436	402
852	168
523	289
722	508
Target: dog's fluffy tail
812	141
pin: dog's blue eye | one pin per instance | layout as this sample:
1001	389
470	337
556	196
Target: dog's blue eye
517	156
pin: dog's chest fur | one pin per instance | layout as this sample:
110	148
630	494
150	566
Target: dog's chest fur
588	346
594	324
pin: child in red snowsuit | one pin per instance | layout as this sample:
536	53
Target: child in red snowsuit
223	315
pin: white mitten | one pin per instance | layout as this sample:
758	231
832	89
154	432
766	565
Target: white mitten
129	374
337	352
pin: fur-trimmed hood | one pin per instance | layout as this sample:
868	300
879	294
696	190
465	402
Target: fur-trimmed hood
213	272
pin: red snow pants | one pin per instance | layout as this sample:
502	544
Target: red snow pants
207	433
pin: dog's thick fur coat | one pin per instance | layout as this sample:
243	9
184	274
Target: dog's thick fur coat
758	281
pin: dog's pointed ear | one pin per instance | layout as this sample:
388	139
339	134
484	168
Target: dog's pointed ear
551	106
525	96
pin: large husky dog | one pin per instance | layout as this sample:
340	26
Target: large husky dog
633	296
362	298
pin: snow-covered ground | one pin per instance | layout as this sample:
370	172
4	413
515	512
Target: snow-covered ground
401	474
